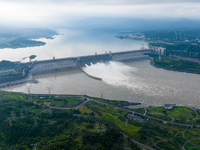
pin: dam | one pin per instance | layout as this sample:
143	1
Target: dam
61	64
70	63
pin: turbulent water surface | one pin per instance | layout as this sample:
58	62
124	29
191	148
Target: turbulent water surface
136	81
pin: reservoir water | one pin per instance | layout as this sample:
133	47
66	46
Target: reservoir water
135	81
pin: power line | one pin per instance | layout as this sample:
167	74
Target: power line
34	146
50	111
126	122
49	89
10	121
35	118
22	114
103	126
101	96
97	127
29	93
13	115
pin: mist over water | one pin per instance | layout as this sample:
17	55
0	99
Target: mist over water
115	74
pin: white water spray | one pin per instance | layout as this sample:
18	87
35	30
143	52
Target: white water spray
115	74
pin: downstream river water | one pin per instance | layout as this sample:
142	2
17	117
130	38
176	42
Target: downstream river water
135	81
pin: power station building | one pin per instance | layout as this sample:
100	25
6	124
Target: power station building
158	50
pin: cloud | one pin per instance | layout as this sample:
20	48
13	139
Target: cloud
105	2
62	11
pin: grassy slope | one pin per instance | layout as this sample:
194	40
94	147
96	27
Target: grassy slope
66	133
71	129
59	101
180	114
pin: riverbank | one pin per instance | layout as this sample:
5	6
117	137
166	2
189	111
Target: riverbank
173	64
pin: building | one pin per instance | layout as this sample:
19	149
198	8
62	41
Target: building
7	71
168	106
129	103
158	50
136	118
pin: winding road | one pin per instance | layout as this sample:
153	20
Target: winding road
131	111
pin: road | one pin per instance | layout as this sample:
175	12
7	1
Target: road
59	107
131	111
124	109
29	78
138	142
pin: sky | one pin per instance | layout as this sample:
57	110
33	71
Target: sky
56	12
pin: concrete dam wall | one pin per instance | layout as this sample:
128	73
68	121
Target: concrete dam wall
61	64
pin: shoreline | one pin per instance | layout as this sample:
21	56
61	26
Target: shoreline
152	64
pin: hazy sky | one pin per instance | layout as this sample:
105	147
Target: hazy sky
42	12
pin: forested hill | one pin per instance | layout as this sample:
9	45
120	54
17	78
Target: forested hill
23	37
32	124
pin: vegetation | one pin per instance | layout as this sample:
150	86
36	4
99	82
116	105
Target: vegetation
59	130
174	144
112	102
60	101
172	35
181	49
184	43
4	64
189	146
164	36
21	43
21	38
32	56
193	133
196	142
176	64
179	113
15	74
155	131
62	130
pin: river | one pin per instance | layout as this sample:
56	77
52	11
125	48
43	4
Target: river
135	81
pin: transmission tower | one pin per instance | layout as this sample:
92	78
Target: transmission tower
34	146
103	126
22	114
29	93
49	89
10	121
126	122
35	118
101	96
50	111
83	98
43	107
13	115
97	127
83	104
